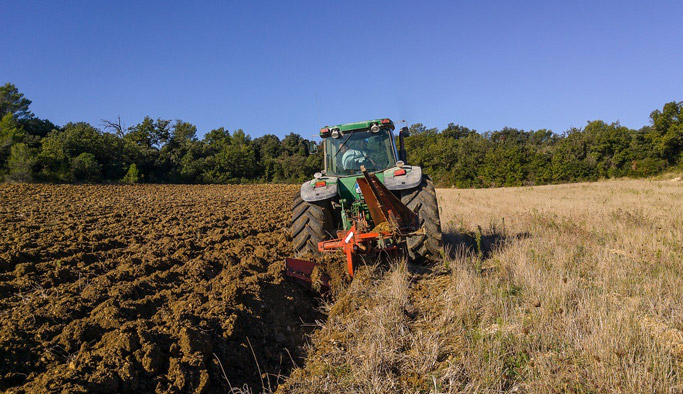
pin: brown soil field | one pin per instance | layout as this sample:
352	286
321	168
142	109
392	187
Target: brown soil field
147	288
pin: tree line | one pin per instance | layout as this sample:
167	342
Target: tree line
153	151
164	151
462	157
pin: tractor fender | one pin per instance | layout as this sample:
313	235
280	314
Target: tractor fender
411	179
310	193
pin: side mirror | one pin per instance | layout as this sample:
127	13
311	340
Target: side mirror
312	147
402	154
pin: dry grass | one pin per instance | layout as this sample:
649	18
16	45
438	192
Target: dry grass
571	288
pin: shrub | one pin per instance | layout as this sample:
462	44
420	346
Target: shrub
85	168
132	176
20	163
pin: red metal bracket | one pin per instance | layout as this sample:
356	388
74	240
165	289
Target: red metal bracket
301	270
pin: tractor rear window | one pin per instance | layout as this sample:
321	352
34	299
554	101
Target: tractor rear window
345	155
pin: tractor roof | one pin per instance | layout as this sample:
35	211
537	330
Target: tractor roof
363	125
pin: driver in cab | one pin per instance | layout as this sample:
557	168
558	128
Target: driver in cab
353	158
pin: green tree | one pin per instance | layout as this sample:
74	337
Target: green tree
53	161
293	168
667	132
142	144
294	144
419	128
231	158
268	146
456	131
112	155
13	102
150	133
60	148
182	133
81	137
85	168
504	165
181	158
608	148
267	150
468	157
132	175
569	161
10	133
20	163
217	137
37	127
192	162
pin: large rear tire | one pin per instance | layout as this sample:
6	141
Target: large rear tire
422	200
312	222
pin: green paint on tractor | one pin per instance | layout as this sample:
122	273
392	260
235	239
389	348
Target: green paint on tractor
349	197
347	186
364	125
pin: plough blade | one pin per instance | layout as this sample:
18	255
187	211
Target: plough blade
301	270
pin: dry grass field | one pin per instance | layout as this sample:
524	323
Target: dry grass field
569	288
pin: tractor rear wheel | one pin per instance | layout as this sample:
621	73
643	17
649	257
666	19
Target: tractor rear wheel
312	222
422	200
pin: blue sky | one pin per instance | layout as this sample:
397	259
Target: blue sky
259	65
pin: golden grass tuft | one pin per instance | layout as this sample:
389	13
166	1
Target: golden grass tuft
569	288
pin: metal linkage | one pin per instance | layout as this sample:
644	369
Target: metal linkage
392	219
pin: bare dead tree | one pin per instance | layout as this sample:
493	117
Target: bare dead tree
114	125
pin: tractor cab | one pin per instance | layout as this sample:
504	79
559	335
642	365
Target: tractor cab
350	147
347	147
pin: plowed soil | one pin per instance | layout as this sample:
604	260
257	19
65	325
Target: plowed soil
149	288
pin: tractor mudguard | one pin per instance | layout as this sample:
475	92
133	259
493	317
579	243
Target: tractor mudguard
310	193
409	180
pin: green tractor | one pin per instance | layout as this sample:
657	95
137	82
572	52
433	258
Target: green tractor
366	180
